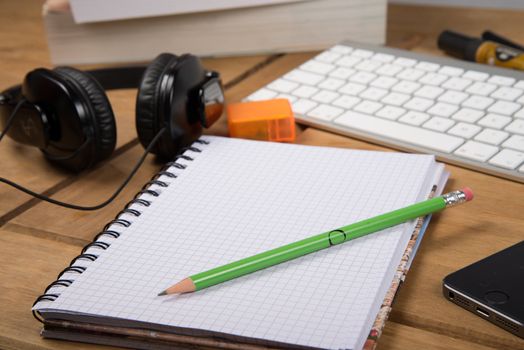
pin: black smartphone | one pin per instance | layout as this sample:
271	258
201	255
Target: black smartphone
492	288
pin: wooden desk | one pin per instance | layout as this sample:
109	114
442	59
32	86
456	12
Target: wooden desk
37	240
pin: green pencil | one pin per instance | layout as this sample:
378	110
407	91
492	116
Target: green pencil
315	243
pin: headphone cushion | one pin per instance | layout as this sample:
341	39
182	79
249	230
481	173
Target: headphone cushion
104	120
146	101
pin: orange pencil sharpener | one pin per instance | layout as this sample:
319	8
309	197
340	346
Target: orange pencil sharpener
270	120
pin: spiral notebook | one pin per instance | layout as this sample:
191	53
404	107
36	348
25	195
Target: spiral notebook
224	199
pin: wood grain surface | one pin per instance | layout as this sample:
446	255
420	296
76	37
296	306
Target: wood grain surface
38	240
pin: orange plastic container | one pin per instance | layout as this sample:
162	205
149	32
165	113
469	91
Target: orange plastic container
270	120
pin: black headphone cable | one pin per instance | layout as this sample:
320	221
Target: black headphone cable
11	118
74	206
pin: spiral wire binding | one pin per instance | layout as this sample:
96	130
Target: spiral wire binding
106	231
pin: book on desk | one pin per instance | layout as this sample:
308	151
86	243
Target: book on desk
97	33
224	199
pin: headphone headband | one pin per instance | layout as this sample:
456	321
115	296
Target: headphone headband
126	77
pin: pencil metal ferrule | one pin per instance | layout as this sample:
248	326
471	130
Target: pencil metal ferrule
454	198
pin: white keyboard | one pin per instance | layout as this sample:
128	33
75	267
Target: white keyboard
466	114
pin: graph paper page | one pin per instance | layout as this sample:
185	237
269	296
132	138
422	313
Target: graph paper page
238	198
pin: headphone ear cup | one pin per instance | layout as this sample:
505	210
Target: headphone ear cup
101	116
147	99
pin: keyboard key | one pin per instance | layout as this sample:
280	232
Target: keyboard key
516	142
519	84
331	84
451	71
414	118
390	112
428	66
341	72
328	56
368	65
395	99
507	93
262	94
325	112
494	121
282	85
305	91
501	80
389	70
456	83
373	94
508	159
430	92
400	132
453	97
405	62
303	77
352	88
384	82
443	109
476	151
439	124
516	127
406	87
475	75
483	89
478	102
464	130
341	49
302	105
493	137
519	114
362	53
410	74
418	104
504	107
348	61
362	77
346	101
383	57
433	79
468	115
317	67
368	107
324	96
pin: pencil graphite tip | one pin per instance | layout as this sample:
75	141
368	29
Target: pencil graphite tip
162	293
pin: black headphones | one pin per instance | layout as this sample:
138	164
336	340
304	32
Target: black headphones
66	113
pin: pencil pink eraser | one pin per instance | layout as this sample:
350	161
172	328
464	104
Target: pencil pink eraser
468	192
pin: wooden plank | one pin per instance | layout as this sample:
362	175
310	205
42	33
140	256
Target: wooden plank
400	337
76	227
454	239
417	27
29	264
